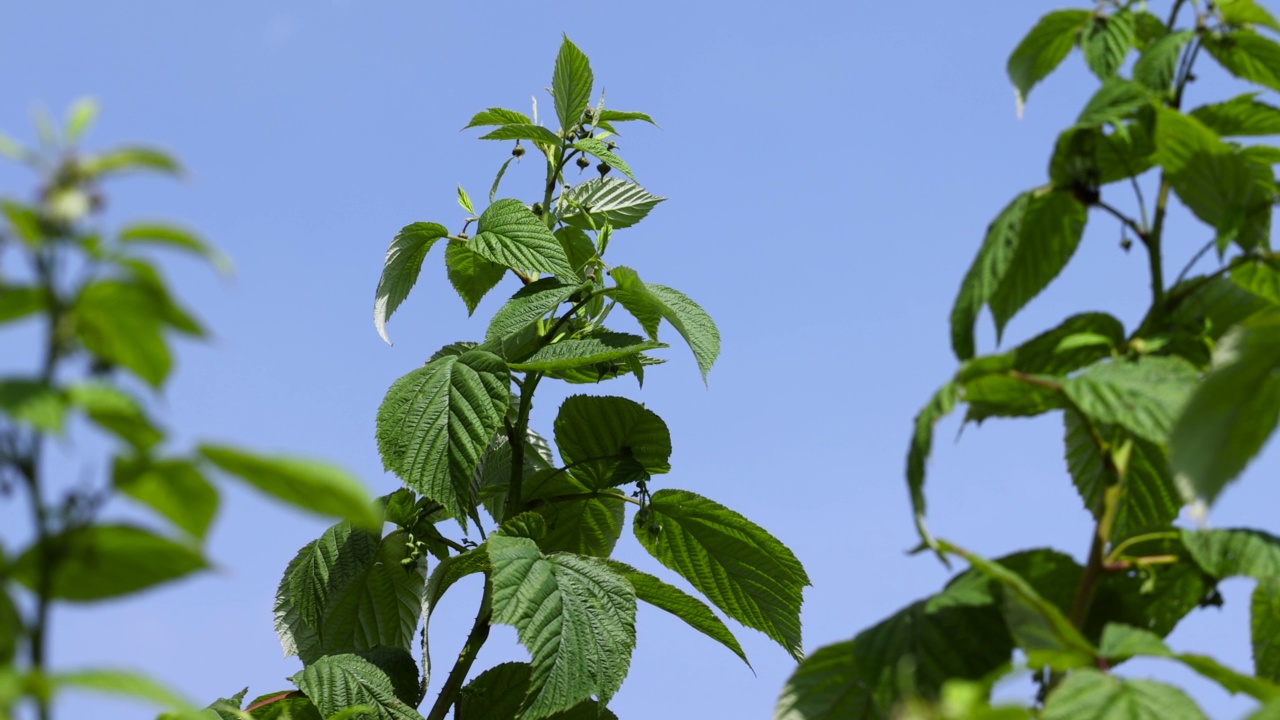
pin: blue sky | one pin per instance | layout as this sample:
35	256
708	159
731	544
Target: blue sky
831	169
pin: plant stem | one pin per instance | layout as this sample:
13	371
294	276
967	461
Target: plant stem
1152	243
515	439
1130	222
475	640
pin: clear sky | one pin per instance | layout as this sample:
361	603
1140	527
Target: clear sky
831	169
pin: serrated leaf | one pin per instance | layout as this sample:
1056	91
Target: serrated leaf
634	295
336	682
692	322
577	519
1264	613
318	487
1053	352
436	422
624	116
174	488
105	561
446	573
1144	397
1158	62
123	683
520	131
575	616
1232	412
1237	552
499	692
598	436
571	83
620	203
1043	49
464	200
578	248
1088	694
122	323
741	568
1115	101
497	179
1106	40
400	269
530	303
497	116
470	274
986	273
940	405
1259	275
1247	55
510	234
602	152
1243	115
571	354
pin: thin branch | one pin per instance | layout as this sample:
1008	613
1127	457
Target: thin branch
1128	221
1195	259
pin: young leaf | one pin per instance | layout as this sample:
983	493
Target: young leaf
618	202
1247	55
436	422
1043	49
602	152
510	234
571	83
121	323
1231	413
336	682
400	269
741	568
1106	40
570	354
692	322
1242	115
575	616
497	179
464	200
1143	397
317	487
536	133
599	436
1088	694
498	116
105	561
470	274
530	303
174	488
1158	62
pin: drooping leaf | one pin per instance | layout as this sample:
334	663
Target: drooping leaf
497	116
571	83
400	269
1106	40
746	572
1243	115
1043	49
575	616
634	295
123	683
571	354
497	179
986	273
436	422
470	274
1247	55
121	323
174	488
578	248
520	131
692	322
828	685
604	438
306	484
105	561
594	147
528	305
940	405
511	235
1232	412
336	682
1120	642
1144	397
1158	62
615	201
1088	694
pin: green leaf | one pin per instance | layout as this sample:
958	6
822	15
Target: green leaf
577	518
1158	62
681	604
122	683
499	692
493	474
604	440
570	354
828	685
105	561
692	322
1231	553
575	616
172	236
578	248
317	487
1115	101
11	629
336	682
1120	642
1058	351
520	131
986	273
1150	500
1043	49
465	201
623	116
400	269
1204	309
510	234
1007	395
470	274
174	488
620	203
940	405
18	301
1232	412
530	303
1088	694
1242	115
497	179
740	567
121	323
33	403
128	159
497	116
571	84
436	422
1144	397
1265	628
1156	599
601	151
635	296
117	412
1247	55
1106	40
1243	13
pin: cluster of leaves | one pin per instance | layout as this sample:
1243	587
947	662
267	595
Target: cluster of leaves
456	432
1155	417
107	320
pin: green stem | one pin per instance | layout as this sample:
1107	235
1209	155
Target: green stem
466	657
515	440
1130	222
1152	243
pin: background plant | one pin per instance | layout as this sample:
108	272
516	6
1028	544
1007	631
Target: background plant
1157	418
